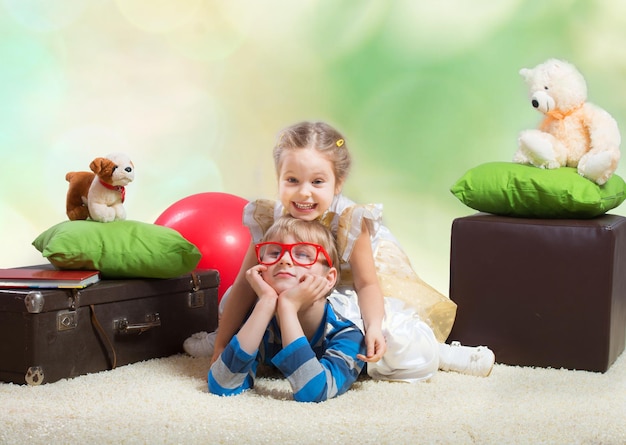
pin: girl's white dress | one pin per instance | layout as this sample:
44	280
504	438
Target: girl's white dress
417	317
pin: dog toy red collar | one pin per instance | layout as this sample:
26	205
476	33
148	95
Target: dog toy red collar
119	188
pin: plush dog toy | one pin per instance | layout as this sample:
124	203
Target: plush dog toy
99	194
573	133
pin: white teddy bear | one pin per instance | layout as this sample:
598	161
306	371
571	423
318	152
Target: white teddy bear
574	133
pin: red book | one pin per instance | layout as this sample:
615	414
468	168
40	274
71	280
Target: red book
47	278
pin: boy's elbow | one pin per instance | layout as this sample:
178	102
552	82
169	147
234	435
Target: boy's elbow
316	392
316	396
214	387
310	398
225	387
219	390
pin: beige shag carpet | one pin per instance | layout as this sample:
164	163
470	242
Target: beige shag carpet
165	401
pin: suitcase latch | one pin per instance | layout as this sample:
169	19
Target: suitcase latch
196	282
74	299
196	299
122	326
67	320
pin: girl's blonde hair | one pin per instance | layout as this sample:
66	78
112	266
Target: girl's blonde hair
319	136
307	232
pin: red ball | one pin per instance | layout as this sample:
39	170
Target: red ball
212	221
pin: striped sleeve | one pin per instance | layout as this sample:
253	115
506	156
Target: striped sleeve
314	379
233	372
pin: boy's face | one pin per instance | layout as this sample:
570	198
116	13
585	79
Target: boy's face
286	274
306	183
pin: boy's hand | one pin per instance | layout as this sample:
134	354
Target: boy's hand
260	287
310	289
375	344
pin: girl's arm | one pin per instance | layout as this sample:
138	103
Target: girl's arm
369	294
237	305
234	369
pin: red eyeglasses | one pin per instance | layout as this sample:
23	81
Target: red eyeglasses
302	254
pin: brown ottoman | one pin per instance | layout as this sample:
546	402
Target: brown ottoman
541	292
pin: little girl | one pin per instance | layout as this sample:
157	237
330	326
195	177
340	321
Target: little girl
405	331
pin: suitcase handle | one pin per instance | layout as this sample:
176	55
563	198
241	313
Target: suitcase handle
122	326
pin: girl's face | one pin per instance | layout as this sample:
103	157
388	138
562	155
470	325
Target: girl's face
306	183
285	274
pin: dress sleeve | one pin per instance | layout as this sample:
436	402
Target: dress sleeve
258	216
350	222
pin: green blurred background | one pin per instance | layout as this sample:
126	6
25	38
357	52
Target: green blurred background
195	92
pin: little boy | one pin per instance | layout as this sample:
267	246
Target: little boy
292	325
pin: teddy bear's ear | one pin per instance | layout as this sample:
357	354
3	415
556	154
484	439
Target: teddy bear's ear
98	164
525	73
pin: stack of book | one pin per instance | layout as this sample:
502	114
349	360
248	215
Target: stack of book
34	277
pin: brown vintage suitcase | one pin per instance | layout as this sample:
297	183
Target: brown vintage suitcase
47	335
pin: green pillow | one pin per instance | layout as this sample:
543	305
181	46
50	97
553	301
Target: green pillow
510	189
119	249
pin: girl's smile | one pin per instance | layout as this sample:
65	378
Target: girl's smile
304	206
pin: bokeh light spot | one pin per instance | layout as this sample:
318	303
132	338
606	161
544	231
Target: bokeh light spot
46	15
158	15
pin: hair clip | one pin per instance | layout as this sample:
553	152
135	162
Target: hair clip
339	142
